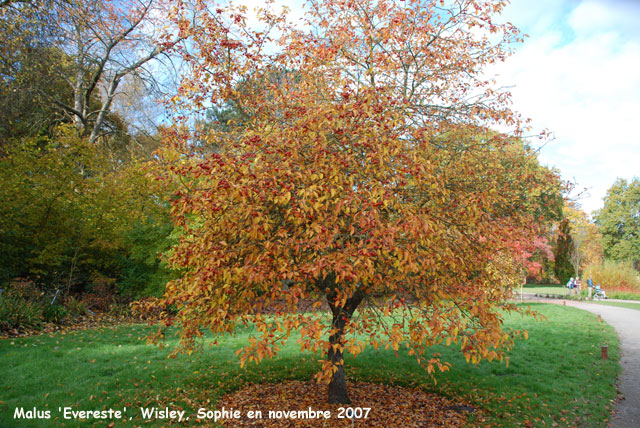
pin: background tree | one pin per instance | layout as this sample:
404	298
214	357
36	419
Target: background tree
619	221
27	59
69	219
86	48
562	251
539	259
78	210
586	246
366	180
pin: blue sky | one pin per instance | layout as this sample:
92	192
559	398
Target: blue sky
578	75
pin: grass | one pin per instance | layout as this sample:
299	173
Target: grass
628	305
560	290
555	290
556	376
623	295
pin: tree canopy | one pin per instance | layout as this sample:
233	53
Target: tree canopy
586	241
619	221
68	220
364	179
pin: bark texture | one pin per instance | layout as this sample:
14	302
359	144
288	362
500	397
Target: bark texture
337	392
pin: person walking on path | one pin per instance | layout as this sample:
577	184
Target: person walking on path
590	286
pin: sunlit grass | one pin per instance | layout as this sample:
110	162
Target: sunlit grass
628	305
555	290
622	293
556	376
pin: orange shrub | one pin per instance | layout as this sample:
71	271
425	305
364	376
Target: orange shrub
612	275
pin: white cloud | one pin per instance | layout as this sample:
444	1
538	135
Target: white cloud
597	15
577	75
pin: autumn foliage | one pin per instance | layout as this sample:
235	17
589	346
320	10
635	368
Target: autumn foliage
360	173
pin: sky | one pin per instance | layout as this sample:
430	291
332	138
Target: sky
578	75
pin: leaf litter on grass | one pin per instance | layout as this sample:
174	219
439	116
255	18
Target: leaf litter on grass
391	406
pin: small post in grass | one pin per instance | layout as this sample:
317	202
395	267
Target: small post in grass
605	352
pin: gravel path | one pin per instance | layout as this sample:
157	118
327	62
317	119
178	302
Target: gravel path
626	322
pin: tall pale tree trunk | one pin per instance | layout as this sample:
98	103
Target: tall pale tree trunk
79	106
106	105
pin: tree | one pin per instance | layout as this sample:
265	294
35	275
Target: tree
26	61
5	3
619	221
54	205
366	179
537	258
67	217
71	209
95	44
586	247
562	251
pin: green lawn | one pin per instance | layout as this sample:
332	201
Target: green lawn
555	290
559	290
612	294
555	376
629	305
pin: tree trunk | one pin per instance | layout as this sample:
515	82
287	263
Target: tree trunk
79	118
337	393
102	114
338	385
